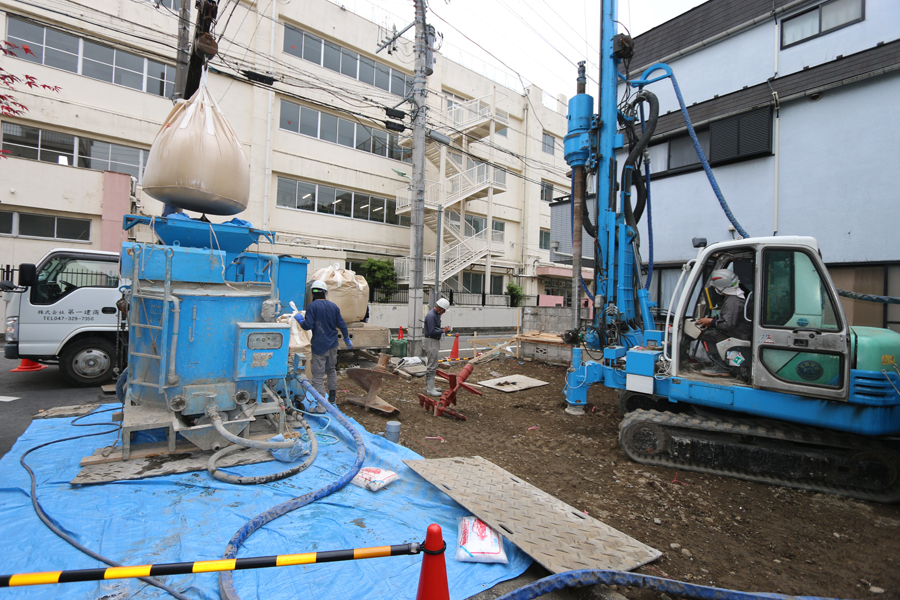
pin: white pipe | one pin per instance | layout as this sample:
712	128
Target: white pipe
775	199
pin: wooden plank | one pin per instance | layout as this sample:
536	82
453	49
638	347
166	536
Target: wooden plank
148	450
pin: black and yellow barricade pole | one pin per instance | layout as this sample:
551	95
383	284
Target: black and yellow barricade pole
207	566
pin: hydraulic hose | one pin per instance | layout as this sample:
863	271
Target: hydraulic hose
38	509
216	418
704	161
649	212
226	581
586	577
637	150
239	480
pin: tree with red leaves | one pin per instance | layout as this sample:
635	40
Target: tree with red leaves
9	106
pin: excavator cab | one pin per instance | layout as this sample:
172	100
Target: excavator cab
800	339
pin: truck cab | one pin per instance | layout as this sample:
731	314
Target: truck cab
64	311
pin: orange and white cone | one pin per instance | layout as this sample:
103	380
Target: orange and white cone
433	576
26	366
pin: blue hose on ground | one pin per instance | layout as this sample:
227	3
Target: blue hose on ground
593	577
226	581
704	161
59	532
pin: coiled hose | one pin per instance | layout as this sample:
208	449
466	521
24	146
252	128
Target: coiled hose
593	577
239	480
226	582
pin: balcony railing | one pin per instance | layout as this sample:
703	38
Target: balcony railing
433	192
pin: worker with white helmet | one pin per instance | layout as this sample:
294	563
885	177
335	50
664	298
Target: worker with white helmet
433	332
730	322
323	318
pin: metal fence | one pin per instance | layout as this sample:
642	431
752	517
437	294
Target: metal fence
401	296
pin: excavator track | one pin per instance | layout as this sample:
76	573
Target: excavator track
766	452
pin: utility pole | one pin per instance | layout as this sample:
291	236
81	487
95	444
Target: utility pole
184	48
417	231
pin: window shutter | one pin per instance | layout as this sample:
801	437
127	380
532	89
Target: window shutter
756	132
723	143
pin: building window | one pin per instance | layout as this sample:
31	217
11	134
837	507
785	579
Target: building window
504	131
497	285
498	230
546	191
308	196
473	283
345	61
549	143
329	128
474	225
545	239
18	224
822	19
682	152
61	50
65	149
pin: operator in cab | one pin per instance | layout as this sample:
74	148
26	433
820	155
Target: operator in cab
323	318
730	322
433	333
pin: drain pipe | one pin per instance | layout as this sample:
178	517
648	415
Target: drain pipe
775	152
172	378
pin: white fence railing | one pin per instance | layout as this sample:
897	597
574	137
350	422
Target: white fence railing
433	193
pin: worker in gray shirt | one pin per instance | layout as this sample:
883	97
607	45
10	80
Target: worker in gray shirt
731	321
433	332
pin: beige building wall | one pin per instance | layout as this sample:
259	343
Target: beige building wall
254	42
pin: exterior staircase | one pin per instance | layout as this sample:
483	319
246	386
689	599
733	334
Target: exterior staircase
464	179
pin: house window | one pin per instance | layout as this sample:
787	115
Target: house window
55	48
329	128
545	239
62	148
741	137
32	225
549	143
345	61
546	191
311	197
822	19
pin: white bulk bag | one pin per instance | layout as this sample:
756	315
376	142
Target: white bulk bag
196	161
346	289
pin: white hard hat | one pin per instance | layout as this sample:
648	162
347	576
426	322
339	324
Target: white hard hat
444	304
319	286
723	279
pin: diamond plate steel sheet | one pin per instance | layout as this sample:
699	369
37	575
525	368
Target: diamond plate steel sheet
556	535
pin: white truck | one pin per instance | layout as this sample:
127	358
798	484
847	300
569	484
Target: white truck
64	311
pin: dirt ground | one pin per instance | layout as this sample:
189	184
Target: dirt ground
711	530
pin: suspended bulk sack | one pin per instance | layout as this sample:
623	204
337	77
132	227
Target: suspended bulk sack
346	289
196	161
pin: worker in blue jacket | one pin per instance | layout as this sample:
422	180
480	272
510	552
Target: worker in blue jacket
433	333
323	318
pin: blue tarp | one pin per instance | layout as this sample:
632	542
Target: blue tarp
192	516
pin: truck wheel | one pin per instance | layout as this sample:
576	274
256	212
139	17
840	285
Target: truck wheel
88	361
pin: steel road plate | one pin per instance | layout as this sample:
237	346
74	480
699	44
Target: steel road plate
556	535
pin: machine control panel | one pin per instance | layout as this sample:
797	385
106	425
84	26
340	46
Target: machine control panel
265	341
261	351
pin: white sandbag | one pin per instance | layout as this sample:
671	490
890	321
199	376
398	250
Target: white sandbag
197	162
373	478
300	338
477	542
346	289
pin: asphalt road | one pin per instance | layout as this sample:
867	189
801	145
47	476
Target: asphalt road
23	395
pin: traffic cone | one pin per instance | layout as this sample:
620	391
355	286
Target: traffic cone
26	366
454	353
433	576
401	333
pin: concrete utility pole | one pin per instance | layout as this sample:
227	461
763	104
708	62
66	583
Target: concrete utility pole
184	48
417	231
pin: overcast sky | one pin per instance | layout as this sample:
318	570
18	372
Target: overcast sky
539	40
